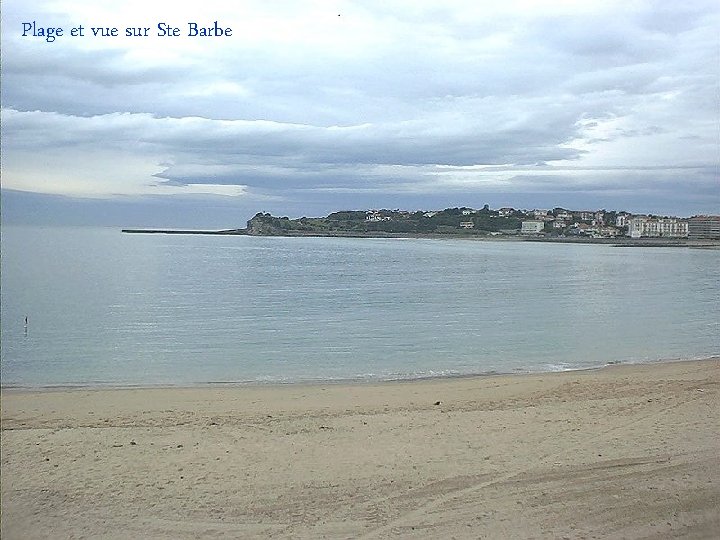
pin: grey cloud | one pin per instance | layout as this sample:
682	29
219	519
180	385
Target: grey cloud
104	68
303	146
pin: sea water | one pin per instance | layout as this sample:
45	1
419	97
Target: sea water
106	308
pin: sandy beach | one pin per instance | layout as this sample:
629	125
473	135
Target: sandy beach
621	452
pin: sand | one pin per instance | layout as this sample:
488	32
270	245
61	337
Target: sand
622	452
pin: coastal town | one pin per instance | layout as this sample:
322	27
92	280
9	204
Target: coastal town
556	223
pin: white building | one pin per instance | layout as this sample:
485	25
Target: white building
467	224
622	220
649	227
608	232
374	215
532	227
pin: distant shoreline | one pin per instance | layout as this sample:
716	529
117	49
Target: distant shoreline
617	242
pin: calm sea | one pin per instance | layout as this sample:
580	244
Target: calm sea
106	308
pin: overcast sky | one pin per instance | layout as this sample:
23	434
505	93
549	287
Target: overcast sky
310	107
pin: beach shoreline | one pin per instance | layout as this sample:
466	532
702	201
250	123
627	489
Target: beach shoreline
349	381
625	450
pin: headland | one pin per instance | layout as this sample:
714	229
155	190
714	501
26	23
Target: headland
558	225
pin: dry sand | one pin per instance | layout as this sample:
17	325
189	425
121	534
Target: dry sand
622	452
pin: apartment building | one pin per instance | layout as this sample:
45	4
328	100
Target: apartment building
704	228
654	227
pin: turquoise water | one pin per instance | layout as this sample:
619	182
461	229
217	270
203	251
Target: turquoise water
107	308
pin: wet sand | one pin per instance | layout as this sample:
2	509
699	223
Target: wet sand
622	452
